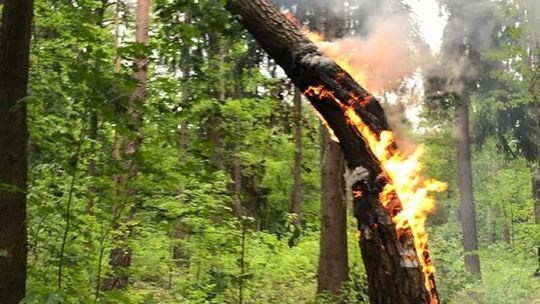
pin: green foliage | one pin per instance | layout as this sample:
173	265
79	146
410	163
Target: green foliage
194	237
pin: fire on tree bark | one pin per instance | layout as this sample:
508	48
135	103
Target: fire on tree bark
394	274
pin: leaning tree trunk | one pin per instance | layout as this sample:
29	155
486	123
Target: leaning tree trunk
393	275
14	63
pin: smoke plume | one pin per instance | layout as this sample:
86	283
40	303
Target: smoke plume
381	60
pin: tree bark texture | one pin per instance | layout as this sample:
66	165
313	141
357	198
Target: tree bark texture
333	259
127	146
467	208
389	280
14	63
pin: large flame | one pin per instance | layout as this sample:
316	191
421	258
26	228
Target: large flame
404	170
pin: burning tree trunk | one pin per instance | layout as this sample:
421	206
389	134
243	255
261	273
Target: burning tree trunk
358	121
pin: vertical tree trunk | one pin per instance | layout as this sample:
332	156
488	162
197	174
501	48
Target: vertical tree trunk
467	207
94	122
297	167
92	167
179	254
333	258
535	180
536	196
127	147
14	63
217	55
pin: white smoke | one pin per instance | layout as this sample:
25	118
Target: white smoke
384	58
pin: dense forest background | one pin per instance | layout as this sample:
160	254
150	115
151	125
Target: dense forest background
175	162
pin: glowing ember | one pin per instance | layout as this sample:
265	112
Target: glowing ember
357	193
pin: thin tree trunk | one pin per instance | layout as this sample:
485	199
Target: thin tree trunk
297	168
333	259
536	191
535	180
92	166
467	208
179	254
94	124
217	54
14	64
394	275
333	268
127	149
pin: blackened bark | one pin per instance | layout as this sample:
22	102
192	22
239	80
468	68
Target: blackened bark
14	64
467	208
389	281
333	259
127	148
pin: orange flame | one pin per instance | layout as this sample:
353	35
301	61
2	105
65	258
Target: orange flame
404	171
415	193
331	50
313	36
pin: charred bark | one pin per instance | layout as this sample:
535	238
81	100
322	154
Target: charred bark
391	279
14	63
